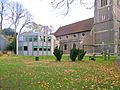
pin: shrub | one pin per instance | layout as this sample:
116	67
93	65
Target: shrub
58	53
73	54
81	54
36	58
92	57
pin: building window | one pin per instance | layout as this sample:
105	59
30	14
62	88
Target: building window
60	38
49	49
74	35
40	49
34	48
83	34
44	49
25	48
104	3
103	17
44	39
74	45
49	39
65	47
20	48
25	39
35	39
30	39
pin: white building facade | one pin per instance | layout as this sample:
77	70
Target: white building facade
35	44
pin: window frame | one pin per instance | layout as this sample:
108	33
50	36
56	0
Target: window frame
104	3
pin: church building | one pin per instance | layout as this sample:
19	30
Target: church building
102	31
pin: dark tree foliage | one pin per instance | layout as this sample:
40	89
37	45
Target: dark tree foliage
58	53
81	54
12	45
8	32
73	54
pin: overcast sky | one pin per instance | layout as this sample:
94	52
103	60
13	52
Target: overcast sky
45	15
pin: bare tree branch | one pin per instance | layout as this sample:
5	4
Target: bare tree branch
66	4
59	3
26	22
2	11
71	1
19	17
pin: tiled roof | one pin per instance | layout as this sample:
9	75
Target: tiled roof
80	26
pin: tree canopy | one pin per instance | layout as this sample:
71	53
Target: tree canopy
8	32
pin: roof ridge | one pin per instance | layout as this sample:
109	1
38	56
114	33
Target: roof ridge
76	27
79	21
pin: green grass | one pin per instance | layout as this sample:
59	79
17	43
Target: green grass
24	73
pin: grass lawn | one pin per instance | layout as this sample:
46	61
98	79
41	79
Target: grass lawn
24	73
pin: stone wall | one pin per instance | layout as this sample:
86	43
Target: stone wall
67	41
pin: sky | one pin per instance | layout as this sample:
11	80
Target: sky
44	14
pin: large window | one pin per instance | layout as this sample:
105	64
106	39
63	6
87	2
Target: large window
65	47
25	48
104	3
20	38
74	45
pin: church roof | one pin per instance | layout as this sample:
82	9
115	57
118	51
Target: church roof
81	26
